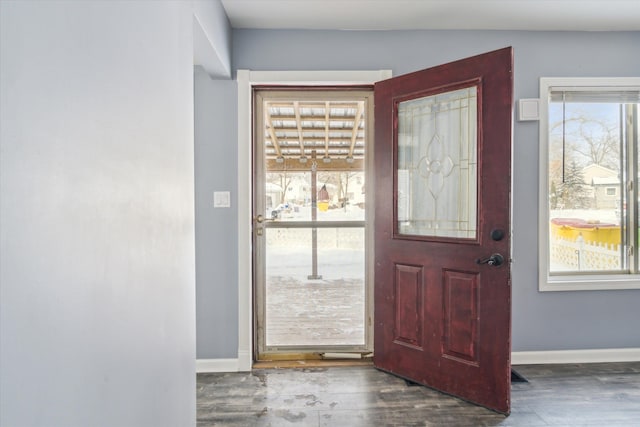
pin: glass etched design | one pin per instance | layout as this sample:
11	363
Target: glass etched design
437	165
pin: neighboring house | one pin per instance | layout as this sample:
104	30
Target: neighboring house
606	192
273	195
603	185
299	190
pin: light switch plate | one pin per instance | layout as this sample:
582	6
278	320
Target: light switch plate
221	199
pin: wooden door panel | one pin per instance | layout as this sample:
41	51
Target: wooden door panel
409	313
442	318
460	306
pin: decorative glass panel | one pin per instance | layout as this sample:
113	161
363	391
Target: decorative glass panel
437	165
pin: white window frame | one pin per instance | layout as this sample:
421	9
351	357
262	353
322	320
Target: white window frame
577	282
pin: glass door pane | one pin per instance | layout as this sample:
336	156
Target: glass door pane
437	165
588	213
312	293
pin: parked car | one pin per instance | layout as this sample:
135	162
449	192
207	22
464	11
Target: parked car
275	213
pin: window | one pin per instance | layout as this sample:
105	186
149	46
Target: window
589	177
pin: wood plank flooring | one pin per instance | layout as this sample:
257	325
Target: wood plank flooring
325	312
556	395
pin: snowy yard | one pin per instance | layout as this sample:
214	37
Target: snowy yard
316	312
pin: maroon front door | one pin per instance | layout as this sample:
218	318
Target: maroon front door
442	227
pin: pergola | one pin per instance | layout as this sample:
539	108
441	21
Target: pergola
329	133
314	136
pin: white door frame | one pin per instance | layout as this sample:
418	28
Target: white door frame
246	80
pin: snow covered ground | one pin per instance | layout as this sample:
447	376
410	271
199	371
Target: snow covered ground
326	311
303	213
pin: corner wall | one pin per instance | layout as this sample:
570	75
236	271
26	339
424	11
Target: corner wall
216	156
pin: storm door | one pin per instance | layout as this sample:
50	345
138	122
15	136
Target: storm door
312	289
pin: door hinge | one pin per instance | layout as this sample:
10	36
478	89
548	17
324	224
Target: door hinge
630	186
630	250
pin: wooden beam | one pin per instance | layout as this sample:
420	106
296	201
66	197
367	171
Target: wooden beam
308	129
311	118
314	104
299	124
317	139
326	129
356	126
272	133
294	165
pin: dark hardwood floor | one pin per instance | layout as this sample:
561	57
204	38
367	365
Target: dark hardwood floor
556	395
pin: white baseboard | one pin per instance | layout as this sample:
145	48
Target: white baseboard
575	356
243	362
216	365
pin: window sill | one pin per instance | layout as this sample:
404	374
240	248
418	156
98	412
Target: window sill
609	282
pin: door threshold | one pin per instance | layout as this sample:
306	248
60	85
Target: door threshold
320	363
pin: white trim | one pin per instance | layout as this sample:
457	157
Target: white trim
610	282
216	365
246	79
573	282
245	273
245	361
310	78
606	355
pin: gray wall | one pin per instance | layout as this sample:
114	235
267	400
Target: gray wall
216	159
211	38
97	265
541	321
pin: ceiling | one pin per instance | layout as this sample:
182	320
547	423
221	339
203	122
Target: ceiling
535	15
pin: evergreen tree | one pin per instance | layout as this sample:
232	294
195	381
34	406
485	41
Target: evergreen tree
573	193
553	196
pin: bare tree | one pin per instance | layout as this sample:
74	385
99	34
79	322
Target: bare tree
344	179
600	143
282	179
587	140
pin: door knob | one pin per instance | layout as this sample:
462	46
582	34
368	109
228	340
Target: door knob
495	260
260	219
497	234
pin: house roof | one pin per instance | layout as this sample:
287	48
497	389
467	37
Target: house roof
596	180
599	170
599	175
